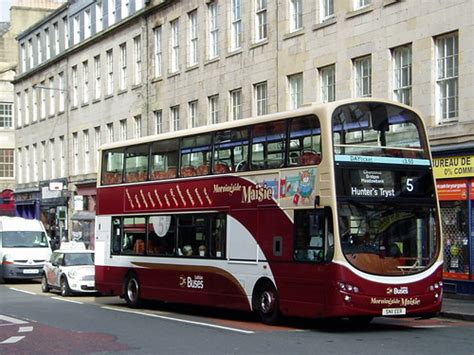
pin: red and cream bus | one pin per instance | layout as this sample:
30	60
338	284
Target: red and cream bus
326	211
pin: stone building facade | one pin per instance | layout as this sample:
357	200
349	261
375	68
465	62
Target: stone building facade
117	70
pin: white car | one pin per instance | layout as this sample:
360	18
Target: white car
70	271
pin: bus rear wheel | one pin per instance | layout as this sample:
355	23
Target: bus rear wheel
132	291
268	305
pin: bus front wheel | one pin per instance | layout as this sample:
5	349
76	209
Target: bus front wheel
132	291
267	303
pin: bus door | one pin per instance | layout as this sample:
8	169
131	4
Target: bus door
307	275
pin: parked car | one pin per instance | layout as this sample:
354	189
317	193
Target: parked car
24	248
70	270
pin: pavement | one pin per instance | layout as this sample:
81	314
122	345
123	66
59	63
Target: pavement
458	307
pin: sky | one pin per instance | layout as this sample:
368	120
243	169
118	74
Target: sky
5	10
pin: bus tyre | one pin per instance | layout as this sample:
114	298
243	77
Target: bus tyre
65	290
267	303
132	291
44	284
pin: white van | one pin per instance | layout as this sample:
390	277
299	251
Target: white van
24	248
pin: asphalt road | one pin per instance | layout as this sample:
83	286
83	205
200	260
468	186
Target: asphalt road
34	322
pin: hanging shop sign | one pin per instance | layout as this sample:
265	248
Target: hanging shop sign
453	167
452	190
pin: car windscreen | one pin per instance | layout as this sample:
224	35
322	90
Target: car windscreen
75	259
24	239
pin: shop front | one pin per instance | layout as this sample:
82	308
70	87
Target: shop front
455	185
83	217
27	203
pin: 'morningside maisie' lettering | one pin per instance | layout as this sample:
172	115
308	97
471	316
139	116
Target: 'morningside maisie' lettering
227	188
411	301
256	193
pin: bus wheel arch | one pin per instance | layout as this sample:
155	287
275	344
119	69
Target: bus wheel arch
265	301
131	289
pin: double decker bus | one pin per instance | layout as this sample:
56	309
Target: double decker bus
325	211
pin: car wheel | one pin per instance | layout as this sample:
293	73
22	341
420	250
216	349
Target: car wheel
44	284
267	304
65	290
132	291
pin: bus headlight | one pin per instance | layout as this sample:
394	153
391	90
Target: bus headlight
348	287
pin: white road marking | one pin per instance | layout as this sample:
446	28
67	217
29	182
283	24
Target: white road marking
12	340
11	320
25	329
28	292
180	320
66	300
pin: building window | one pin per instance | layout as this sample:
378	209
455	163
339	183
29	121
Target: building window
137	53
86	150
35	109
76	27
87	23
39	48
85	78
358	4
97	86
123	67
44	173
137	120
26	105
174	113
97	142
47	39
260	20
30	53
111	12
296	15
110	72
193	38
74	86
43	99
363	76
110	132
295	89
124	8
447	77
62	157
261	98
193	114
62	92
213	109
402	62
236	25
213	49
75	153
19	163
35	162
18	104
27	163
328	83
174	46
158	55
66	32
6	115
123	130
158	115
236	104
52	157
326	9
7	163
138	5
99	22
23	57
56	38
52	98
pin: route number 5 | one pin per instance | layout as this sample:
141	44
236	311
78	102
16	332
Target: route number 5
410	185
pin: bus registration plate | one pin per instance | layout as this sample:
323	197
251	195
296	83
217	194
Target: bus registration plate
394	311
30	271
